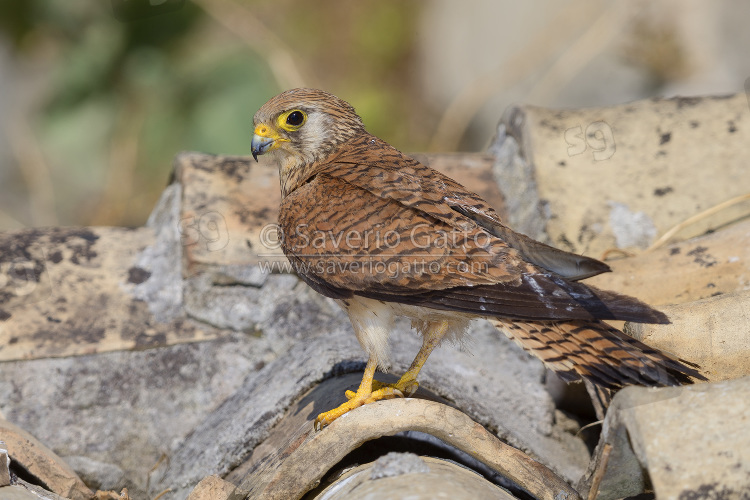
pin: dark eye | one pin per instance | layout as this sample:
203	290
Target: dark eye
295	118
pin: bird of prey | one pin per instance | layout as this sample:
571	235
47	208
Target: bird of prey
386	236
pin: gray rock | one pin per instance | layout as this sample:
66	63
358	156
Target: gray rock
687	442
395	464
126	408
515	174
97	475
21	493
436	479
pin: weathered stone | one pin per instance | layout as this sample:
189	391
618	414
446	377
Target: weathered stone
97	475
434	479
4	465
688	442
694	269
713	332
594	179
396	464
17	492
215	488
28	452
86	290
127	408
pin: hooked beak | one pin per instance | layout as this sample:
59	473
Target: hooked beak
264	140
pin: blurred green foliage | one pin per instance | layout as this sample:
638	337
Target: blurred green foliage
120	99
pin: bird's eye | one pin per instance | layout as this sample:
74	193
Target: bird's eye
292	120
295	118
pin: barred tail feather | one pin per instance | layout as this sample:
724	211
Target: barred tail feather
598	352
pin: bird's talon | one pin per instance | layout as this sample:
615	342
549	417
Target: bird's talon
411	388
388	392
379	391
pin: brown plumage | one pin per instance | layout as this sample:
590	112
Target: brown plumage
387	236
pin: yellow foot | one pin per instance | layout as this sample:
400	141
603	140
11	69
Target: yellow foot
380	391
405	387
355	401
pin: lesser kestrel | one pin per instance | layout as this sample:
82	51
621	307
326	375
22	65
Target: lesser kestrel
386	236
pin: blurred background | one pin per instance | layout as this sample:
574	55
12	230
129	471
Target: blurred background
97	97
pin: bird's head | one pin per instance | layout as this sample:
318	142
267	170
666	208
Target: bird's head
301	126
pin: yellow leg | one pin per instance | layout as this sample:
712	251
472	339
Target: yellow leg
356	400
407	384
371	390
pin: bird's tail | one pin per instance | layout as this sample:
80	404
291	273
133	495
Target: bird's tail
598	352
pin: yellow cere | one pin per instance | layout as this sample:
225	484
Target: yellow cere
263	131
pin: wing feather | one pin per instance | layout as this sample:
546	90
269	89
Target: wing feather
377	167
350	241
